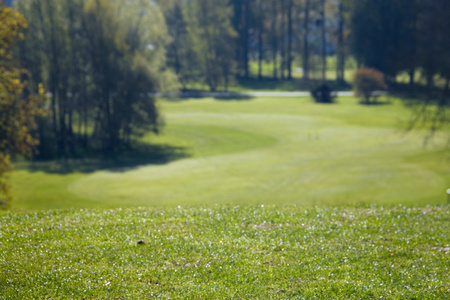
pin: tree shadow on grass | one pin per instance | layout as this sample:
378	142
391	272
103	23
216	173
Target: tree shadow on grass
233	97
375	103
288	85
189	95
125	160
420	96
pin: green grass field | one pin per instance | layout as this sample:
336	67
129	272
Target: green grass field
259	198
226	252
257	151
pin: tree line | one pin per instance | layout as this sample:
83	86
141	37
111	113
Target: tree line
393	36
396	36
100	60
228	35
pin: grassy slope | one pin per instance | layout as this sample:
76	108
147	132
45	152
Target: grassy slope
267	151
226	252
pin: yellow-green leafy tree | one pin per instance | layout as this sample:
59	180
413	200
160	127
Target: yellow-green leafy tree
17	109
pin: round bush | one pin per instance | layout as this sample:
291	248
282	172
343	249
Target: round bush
366	82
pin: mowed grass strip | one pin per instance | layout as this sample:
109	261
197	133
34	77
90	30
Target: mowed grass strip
266	151
227	252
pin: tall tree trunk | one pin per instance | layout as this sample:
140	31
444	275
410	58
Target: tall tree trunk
52	81
74	68
62	120
289	50
306	41
260	37
85	113
55	75
411	72
54	121
70	115
340	67
226	81
430	81
413	48
246	36
274	38
260	51
237	19
283	39
177	60
80	117
324	41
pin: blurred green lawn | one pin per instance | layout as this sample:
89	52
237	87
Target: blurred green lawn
261	150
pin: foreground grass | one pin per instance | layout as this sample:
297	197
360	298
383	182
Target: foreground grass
225	252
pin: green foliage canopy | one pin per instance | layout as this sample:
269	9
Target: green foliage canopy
213	39
402	35
99	59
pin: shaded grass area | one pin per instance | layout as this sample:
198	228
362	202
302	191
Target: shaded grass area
296	84
248	252
203	141
254	84
126	159
42	184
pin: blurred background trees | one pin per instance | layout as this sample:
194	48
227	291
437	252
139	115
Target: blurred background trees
212	39
397	36
408	37
276	39
101	60
212	43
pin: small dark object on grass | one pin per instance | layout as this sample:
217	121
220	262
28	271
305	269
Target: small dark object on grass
140	242
323	94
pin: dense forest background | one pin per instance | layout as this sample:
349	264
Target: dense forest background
251	36
102	60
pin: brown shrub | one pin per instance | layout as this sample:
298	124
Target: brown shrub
366	81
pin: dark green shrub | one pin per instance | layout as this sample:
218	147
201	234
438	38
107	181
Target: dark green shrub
323	94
